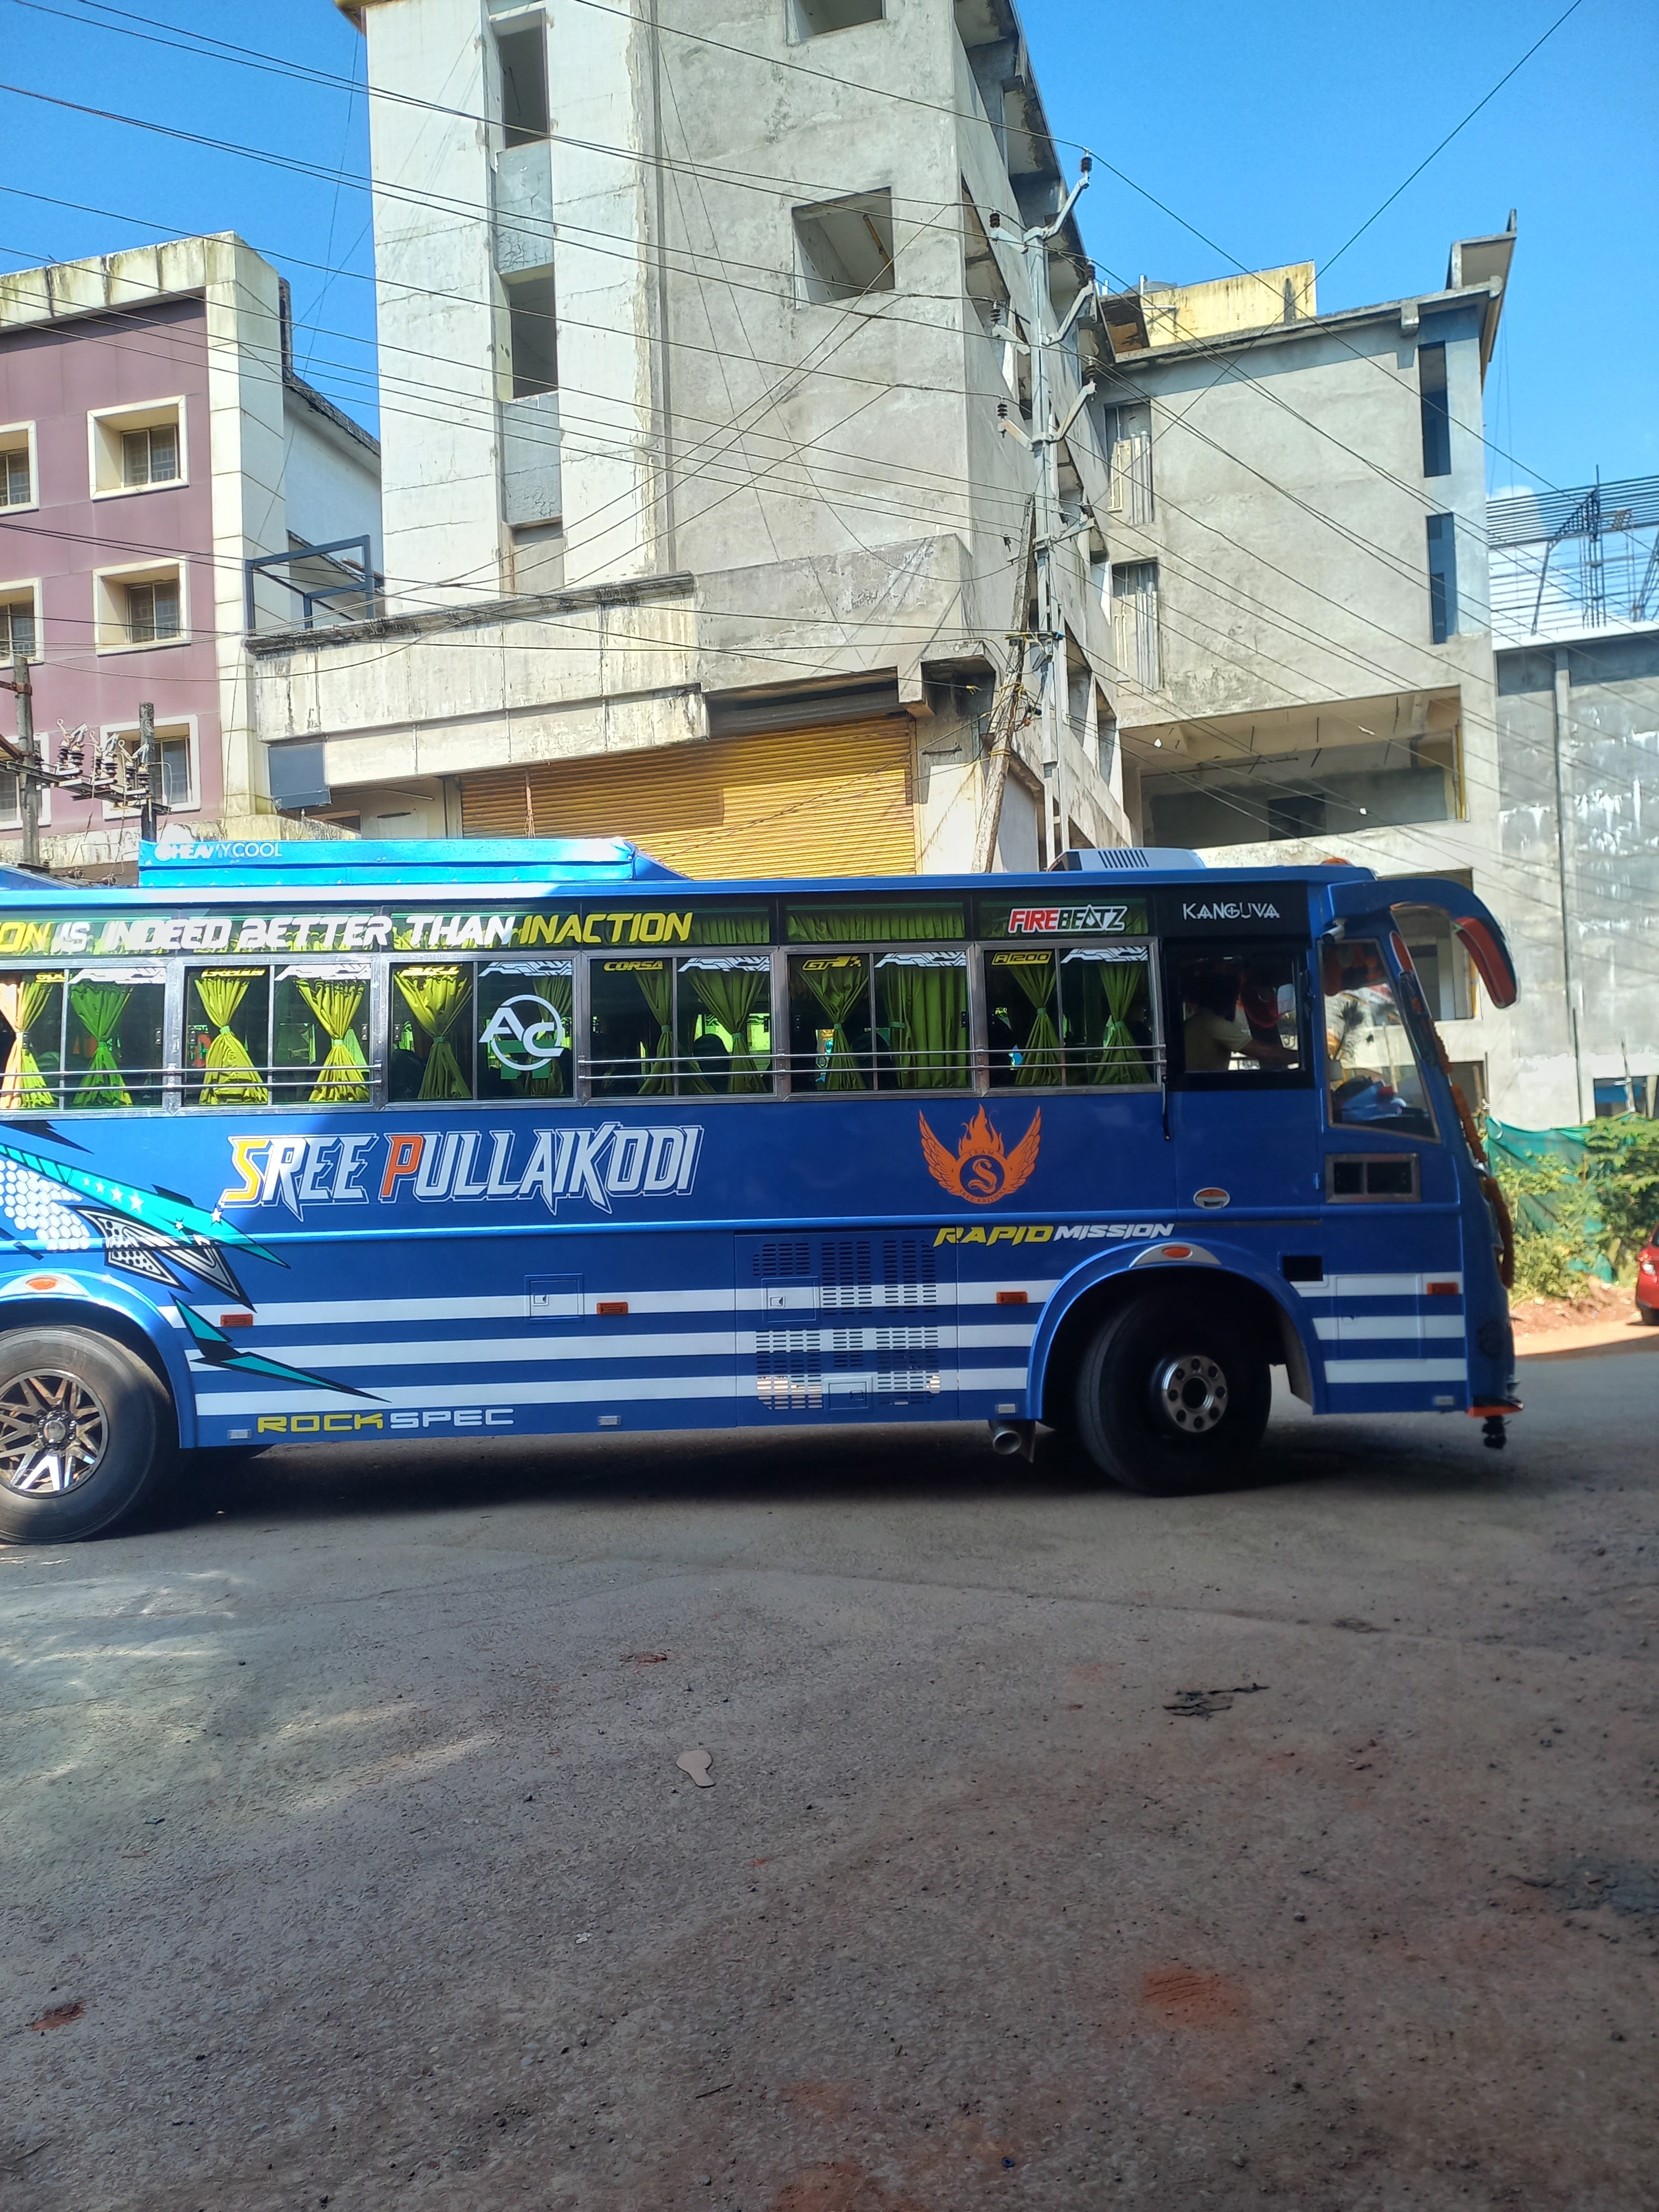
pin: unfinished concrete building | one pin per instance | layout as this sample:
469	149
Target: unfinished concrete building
707	472
1576	624
1300	591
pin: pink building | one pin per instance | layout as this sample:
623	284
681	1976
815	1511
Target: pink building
154	440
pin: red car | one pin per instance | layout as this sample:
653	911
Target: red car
1647	1280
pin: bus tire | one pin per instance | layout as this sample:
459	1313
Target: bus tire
1171	1398
83	1434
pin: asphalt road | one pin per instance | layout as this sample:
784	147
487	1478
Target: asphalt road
348	1862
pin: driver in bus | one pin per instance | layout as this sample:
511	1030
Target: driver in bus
1358	997
1219	1030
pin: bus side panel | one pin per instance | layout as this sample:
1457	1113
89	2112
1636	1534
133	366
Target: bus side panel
1389	1314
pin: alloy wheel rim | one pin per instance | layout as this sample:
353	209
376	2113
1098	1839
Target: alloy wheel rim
53	1433
1190	1393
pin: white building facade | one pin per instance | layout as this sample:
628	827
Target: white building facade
708	472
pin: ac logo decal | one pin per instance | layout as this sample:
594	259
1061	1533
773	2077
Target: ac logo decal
536	1029
981	1170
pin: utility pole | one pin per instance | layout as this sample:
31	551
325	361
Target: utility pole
150	778
1048	433
28	786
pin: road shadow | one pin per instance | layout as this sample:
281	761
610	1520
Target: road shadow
851	1465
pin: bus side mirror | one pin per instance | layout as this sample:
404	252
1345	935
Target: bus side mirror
1491	961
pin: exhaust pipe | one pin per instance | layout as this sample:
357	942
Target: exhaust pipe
1011	1439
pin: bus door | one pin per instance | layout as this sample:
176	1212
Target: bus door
1392	1305
1243	1109
846	1324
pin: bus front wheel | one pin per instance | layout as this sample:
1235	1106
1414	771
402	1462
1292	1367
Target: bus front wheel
81	1434
1170	1397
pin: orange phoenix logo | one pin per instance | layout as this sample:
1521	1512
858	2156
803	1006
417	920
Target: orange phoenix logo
981	1170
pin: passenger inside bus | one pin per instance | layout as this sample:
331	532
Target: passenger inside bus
1238	1014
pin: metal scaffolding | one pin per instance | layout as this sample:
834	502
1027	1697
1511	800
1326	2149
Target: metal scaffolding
1566	561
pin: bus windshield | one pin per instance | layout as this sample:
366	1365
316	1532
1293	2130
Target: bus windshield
1372	1070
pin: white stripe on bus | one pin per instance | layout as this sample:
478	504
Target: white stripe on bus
1353	1371
532	1351
1355	1328
1382	1286
582	1390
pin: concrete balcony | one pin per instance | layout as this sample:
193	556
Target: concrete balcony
523	202
532	493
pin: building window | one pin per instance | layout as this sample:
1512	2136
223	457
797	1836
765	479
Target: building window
150	457
1130	434
152	613
17	630
845	247
532	335
1442	577
135	449
1134	623
139	606
522	56
812	18
1436	420
16	465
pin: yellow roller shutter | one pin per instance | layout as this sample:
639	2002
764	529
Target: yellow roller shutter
837	801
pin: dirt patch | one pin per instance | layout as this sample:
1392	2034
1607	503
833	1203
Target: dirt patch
1184	1996
1587	1885
60	2016
1599	1302
831	2100
843	2187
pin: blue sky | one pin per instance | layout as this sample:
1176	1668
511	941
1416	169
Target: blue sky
1274	130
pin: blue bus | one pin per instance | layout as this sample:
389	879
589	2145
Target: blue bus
335	1142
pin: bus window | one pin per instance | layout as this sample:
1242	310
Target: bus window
724	1024
32	1010
831	1034
632	1015
428	1019
1238	1012
524	1024
1105	992
1021	1008
227	1036
319	1034
1371	1064
113	1037
905	921
921	1020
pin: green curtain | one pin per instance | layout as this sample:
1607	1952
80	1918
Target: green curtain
435	997
1120	1058
730	995
558	992
927	1036
886	925
714	927
99	1008
836	990
23	1001
657	989
343	1080
1041	1060
231	1078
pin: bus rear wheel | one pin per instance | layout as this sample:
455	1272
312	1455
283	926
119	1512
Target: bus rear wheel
1171	1397
81	1434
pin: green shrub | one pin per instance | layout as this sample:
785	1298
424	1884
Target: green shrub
1582	1211
1621	1161
1549	1267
